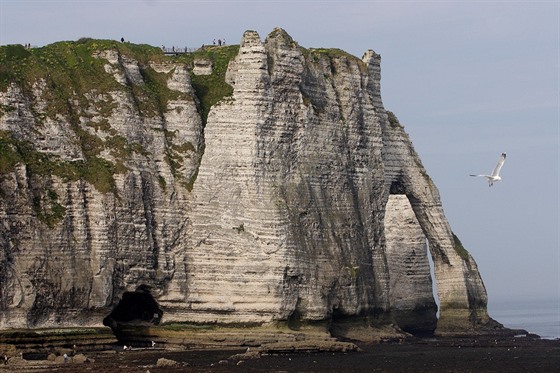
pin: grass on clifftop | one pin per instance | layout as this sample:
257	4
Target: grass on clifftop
60	61
67	73
331	52
210	89
71	70
314	54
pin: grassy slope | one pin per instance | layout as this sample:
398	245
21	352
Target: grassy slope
70	71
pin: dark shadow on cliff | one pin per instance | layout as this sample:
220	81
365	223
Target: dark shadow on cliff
134	314
420	322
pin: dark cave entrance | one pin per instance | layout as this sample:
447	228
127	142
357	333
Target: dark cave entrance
135	308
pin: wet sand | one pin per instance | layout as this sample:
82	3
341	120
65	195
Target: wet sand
487	354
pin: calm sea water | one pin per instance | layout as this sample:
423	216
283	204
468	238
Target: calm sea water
541	317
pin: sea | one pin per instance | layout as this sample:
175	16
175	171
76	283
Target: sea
541	317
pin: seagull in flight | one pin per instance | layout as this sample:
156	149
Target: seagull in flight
495	176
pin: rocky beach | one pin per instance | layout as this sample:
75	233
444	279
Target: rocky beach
489	353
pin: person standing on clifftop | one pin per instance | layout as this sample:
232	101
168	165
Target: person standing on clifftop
5	359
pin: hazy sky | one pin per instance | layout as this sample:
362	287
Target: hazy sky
467	79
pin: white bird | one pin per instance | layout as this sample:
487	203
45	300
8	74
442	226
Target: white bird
495	176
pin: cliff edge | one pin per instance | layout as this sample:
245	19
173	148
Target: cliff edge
259	184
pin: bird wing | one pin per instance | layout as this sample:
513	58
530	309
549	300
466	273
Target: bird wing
480	175
498	167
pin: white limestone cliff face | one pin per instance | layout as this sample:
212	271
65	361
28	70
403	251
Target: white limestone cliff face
284	194
291	203
74	272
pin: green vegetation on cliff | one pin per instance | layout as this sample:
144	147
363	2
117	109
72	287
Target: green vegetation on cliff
67	73
393	121
74	69
330	52
460	249
97	171
73	82
210	89
71	71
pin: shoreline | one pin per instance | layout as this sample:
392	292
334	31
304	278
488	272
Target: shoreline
505	351
437	355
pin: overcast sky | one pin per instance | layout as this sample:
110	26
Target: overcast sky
467	79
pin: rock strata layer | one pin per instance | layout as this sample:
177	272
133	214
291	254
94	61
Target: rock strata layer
298	199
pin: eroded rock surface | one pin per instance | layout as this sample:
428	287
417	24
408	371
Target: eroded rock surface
297	199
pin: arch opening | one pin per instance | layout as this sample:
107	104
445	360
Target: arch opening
433	276
411	289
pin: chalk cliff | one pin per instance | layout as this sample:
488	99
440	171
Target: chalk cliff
273	187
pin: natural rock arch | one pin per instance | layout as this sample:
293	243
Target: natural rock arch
460	289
